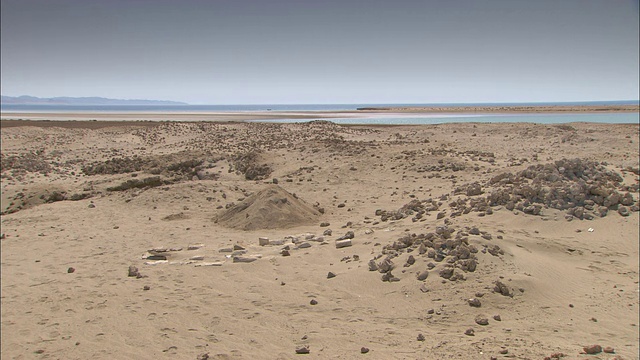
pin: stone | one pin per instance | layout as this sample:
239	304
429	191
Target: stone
303	245
195	246
71	270
327	232
482	320
313	302
263	241
343	243
410	261
423	275
330	275
474	302
497	318
502	289
146	288
364	350
592	349
204	356
303	350
244	259
420	337
324	224
469	332
285	253
372	265
623	210
609	350
133	271
348	235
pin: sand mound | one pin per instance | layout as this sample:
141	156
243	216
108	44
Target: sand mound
271	208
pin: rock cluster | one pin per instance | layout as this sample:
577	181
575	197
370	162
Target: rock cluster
453	255
415	208
585	189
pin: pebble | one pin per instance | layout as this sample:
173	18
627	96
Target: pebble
364	350
313	302
474	302
420	337
592	349
343	243
609	350
133	271
482	320
423	275
303	350
497	318
146	287
71	270
469	332
330	275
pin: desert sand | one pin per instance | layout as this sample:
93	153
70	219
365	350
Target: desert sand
231	240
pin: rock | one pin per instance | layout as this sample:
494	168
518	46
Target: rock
609	350
305	245
71	270
385	265
303	350
327	232
237	247
446	272
410	261
244	259
343	243
348	235
423	275
482	320
469	332
372	265
324	224
215	263
364	350
146	288
497	318
195	246
285	253
263	241
204	356
502	289
504	351
388	276
313	302
420	337
330	275
592	349
474	302
91	206
133	271
623	210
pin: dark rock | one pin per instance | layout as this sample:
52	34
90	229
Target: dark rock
469	332
348	235
313	302
364	350
592	349
330	275
420	337
474	302
482	320
71	270
303	350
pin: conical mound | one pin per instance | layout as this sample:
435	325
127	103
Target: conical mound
271	208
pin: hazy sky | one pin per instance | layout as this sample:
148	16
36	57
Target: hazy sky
322	51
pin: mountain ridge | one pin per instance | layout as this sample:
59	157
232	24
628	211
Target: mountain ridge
93	100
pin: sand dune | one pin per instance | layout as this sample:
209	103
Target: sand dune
532	222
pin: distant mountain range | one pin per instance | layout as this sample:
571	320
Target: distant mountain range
32	100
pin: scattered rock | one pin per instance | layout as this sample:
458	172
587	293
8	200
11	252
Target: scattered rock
469	332
609	350
474	302
364	350
146	287
72	270
133	272
423	275
343	243
313	302
592	349
482	320
330	275
421	337
497	318
348	235
303	350
327	232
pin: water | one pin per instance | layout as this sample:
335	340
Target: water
393	119
378	118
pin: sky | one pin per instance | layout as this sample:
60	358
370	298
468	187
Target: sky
322	51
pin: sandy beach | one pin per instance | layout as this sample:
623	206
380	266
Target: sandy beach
237	240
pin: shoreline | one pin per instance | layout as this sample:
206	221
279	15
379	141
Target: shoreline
509	109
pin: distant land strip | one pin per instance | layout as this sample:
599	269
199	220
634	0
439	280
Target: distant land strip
509	109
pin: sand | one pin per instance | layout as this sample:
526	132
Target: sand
82	204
